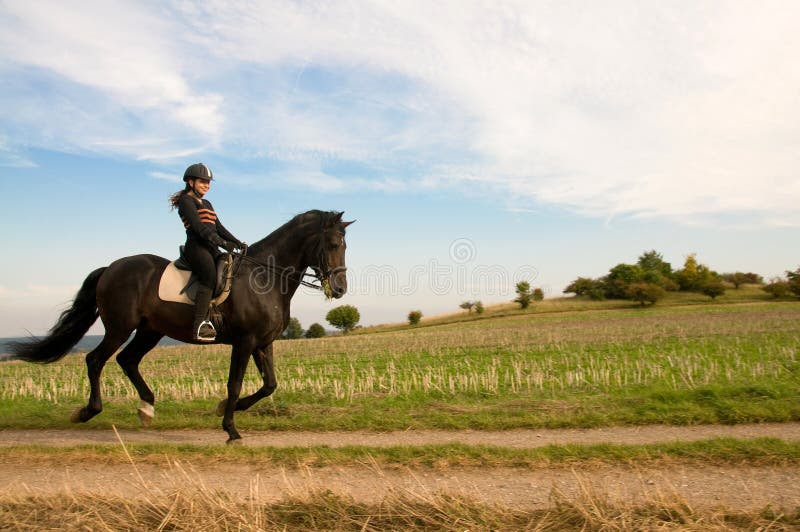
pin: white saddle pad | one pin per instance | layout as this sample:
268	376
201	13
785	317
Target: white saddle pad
173	280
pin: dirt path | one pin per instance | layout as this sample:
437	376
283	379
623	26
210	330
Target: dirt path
508	438
743	487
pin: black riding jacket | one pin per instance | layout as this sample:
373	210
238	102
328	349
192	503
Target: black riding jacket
201	222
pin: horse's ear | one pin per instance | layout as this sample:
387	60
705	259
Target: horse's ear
345	224
338	217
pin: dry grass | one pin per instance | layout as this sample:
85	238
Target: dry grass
195	507
200	509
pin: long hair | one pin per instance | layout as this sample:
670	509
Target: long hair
173	199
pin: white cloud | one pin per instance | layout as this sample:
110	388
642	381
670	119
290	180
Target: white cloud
10	157
120	51
680	111
687	111
166	176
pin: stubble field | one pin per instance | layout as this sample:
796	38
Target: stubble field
482	383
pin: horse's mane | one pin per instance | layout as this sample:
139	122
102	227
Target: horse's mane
315	218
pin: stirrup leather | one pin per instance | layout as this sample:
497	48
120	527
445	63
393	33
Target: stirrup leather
205	332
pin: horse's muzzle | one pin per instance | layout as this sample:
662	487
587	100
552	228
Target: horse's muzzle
338	283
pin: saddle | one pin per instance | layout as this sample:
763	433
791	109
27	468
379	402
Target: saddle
179	284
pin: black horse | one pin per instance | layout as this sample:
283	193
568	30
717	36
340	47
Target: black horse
125	296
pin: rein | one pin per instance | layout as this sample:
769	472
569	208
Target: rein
280	270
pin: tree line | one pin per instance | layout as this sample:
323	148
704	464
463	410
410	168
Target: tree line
651	277
646	282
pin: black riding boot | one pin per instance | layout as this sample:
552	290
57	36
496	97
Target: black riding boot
202	329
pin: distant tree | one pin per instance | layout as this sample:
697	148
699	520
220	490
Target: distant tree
585	286
294	330
753	278
524	294
620	277
598	292
653	261
344	317
467	305
644	292
737	279
777	287
580	286
694	275
537	294
713	289
669	284
315	331
793	278
414	316
479	307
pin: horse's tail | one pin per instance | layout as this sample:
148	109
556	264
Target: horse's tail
70	327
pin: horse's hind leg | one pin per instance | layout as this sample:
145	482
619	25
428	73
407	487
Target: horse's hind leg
95	361
129	359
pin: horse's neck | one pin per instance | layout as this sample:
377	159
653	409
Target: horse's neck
284	251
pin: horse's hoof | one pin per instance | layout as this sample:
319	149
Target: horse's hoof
220	411
234	441
82	415
146	413
77	416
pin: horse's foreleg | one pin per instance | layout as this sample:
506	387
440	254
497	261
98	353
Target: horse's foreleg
264	362
240	355
129	360
95	361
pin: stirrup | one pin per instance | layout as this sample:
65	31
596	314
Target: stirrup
205	332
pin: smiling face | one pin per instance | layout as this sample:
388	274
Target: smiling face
200	186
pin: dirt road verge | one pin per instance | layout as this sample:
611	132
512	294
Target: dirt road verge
518	438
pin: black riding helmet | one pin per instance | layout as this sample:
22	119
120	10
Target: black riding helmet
198	171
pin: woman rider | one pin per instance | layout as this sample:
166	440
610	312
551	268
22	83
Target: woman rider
204	235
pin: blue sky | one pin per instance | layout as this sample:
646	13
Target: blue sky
476	144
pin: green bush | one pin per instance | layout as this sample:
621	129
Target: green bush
294	330
467	305
737	279
414	316
524	294
344	318
777	288
644	293
793	278
713	289
653	261
586	286
315	331
694	276
620	277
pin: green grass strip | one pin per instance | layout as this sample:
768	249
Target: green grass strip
718	451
